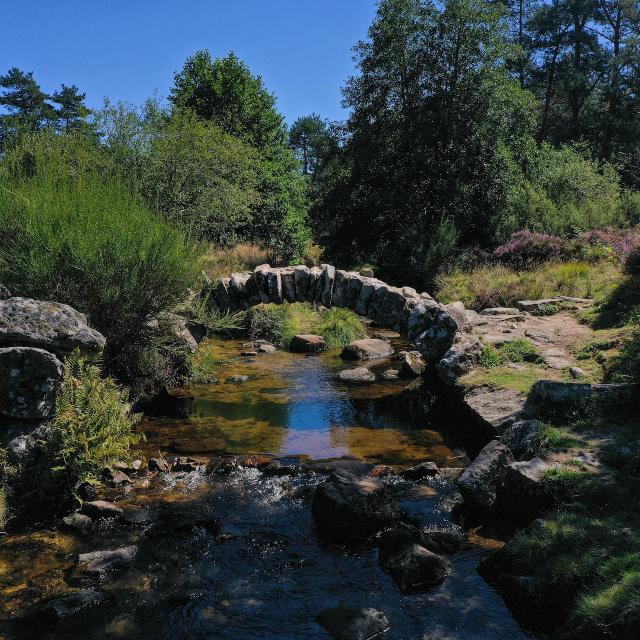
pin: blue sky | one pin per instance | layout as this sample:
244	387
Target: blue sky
128	49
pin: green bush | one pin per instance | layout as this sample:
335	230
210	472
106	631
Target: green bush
202	178
563	192
340	327
203	364
92	427
74	233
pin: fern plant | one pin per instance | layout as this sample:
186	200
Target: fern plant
93	426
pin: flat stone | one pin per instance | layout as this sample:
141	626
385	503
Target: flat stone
361	375
48	325
237	379
495	409
500	311
100	509
367	349
77	522
307	343
249	354
266	348
391	374
535	305
347	623
62	608
98	562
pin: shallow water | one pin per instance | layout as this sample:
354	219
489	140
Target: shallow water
265	574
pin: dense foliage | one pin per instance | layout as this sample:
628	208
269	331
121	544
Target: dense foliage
74	232
470	121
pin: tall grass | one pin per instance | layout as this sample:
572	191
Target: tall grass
279	323
495	286
74	232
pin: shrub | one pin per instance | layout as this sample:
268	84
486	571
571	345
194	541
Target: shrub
219	263
501	286
632	262
92	427
74	233
564	192
526	249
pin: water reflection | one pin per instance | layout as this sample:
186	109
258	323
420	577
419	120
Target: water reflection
293	405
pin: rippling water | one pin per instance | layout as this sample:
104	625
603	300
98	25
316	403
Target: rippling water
264	575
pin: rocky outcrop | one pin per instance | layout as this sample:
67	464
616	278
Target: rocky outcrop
524	493
524	439
30	382
432	327
411	364
46	325
480	481
34	338
553	396
460	359
347	508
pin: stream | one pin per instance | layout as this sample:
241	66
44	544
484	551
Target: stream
236	557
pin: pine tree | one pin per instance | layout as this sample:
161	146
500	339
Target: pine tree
311	140
26	103
72	112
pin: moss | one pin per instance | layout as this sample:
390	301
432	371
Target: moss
503	377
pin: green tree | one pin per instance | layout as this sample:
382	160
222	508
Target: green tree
225	92
72	111
436	123
311	140
25	102
203	178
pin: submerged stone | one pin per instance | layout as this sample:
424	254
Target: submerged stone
348	623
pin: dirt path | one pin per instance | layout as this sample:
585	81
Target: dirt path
556	337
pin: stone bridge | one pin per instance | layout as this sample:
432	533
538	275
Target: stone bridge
432	327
